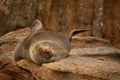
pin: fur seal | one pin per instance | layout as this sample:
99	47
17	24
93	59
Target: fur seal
43	46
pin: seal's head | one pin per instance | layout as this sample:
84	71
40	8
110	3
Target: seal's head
44	52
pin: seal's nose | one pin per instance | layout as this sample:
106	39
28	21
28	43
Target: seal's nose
46	51
46	55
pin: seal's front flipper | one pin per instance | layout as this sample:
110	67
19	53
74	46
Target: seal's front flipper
18	52
36	26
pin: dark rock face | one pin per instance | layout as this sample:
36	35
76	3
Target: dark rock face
112	22
10	71
59	15
15	14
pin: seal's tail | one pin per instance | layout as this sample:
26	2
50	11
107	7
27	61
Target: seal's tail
73	32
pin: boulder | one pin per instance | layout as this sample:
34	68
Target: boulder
75	68
90	58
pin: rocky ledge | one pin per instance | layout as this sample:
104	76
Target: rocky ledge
90	59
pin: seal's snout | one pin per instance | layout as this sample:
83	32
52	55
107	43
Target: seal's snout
46	55
46	51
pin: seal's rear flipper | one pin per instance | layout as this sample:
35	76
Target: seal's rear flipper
73	32
36	26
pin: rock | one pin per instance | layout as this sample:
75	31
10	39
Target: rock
29	66
9	41
89	41
5	77
95	51
6	57
13	37
75	68
13	72
16	14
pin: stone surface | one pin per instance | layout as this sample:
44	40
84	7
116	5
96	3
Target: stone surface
77	66
104	69
112	22
95	51
9	41
101	17
88	42
5	77
10	71
59	15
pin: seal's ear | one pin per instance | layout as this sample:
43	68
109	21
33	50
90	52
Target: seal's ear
36	26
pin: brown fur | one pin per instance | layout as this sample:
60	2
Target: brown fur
43	46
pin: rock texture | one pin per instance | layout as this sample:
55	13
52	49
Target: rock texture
9	41
100	16
59	15
112	22
10	71
89	41
16	14
77	66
